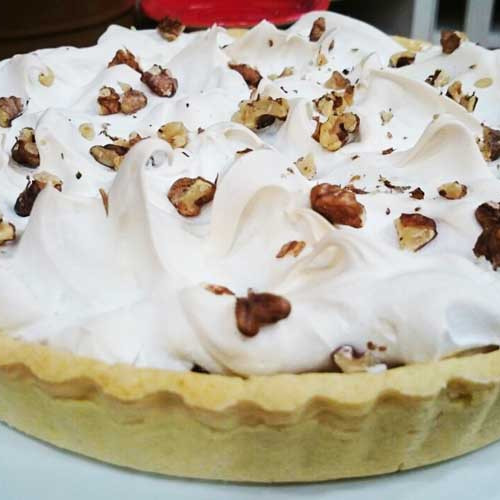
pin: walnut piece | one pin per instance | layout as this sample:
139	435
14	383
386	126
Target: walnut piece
160	81
337	131
415	231
87	131
337	81
125	57
417	194
25	151
218	289
110	155
47	78
451	40
338	205
262	112
170	28
490	145
188	195
132	101
7	231
488	214
467	101
452	190
401	59
348	360
292	248
334	102
10	109
259	309
488	245
175	133
317	30
251	76
108	101
438	79
307	166
26	199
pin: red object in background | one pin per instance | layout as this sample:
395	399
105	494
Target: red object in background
234	13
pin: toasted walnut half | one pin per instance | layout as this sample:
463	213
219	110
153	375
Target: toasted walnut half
47	78
307	166
401	59
110	155
467	101
175	133
291	249
25	150
259	309
188	195
108	101
452	190
132	101
219	290
317	30
7	231
125	57
160	81
337	81
170	28
438	79
415	231
261	112
251	76
490	145
338	205
26	199
349	360
337	131
451	40
10	109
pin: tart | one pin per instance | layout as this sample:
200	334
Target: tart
269	259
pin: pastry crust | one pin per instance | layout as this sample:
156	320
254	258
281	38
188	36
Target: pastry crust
281	428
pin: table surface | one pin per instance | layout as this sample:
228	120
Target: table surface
32	470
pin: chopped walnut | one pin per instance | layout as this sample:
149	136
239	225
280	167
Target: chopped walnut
160	81
467	101
188	195
401	59
348	360
7	231
438	79
317	30
337	205
108	101
262	112
337	131
337	81
175	133
334	103
452	190
292	248
490	145
125	57
388	151
47	78
488	245
105	199
259	309
10	109
87	131
110	155
251	76
417	194
451	40
386	117
170	28
307	166
132	101
219	290
25	151
26	199
415	231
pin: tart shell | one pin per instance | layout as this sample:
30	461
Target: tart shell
281	428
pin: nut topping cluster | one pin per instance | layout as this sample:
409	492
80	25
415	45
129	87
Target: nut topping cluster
170	28
175	133
262	112
7	231
259	309
317	30
251	75
188	195
451	40
467	101
488	242
125	57
26	199
110	102
452	190
337	131
160	81
401	59
10	109
337	205
415	231
25	151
